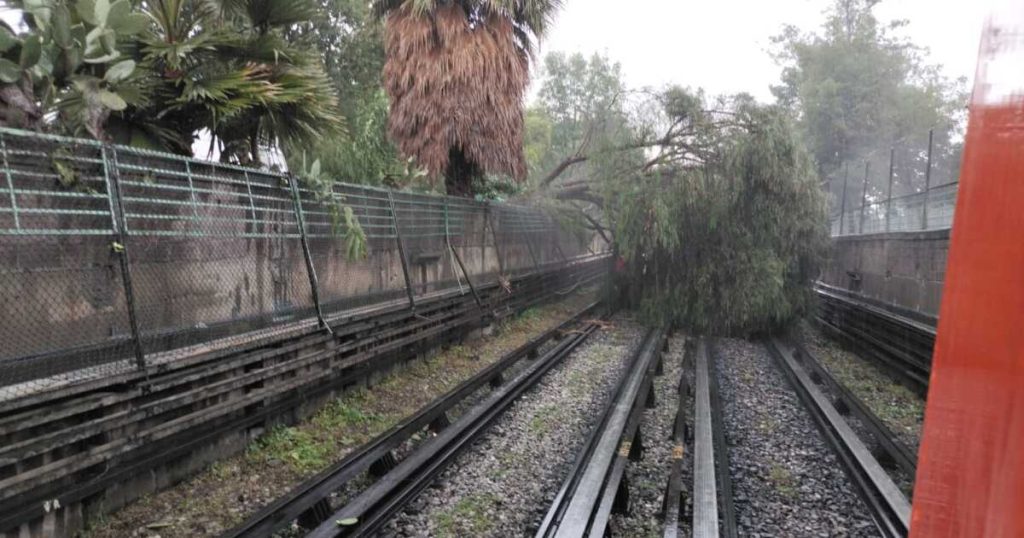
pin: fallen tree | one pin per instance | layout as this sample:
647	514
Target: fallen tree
719	217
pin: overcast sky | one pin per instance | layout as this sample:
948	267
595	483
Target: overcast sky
721	45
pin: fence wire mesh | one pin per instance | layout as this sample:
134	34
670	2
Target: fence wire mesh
203	254
911	186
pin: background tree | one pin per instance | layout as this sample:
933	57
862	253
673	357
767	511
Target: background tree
154	73
227	67
70	59
857	89
584	103
349	38
455	73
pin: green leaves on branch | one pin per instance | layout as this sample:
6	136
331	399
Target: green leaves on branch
344	222
155	73
728	239
66	61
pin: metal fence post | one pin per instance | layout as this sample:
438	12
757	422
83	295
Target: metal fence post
888	200
451	248
864	194
842	205
300	220
401	251
927	181
112	177
10	183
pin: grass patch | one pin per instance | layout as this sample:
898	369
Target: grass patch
296	447
347	413
543	419
342	422
530	315
768	424
469	516
897	406
507	462
783	480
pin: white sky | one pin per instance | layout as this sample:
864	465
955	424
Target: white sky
722	45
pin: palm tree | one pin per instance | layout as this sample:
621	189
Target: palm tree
456	72
225	65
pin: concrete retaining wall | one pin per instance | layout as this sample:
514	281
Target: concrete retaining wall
902	270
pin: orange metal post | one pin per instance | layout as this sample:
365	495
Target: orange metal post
970	479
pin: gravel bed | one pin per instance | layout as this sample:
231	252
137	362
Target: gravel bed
505	483
364	480
648	477
786	481
898	407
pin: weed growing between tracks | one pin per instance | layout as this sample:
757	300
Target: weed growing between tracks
473	510
226	492
897	406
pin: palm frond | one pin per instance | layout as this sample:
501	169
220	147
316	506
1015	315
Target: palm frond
456	86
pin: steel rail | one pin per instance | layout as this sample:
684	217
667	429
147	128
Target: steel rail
311	492
371	509
896	449
899	344
615	494
891	359
706	494
585	501
889	508
725	502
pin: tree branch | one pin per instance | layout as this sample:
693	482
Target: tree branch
561	168
597	226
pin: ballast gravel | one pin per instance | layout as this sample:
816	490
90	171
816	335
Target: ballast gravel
505	483
786	481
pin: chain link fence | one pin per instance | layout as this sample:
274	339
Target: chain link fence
114	259
911	186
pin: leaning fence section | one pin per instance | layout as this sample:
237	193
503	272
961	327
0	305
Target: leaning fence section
113	258
911	186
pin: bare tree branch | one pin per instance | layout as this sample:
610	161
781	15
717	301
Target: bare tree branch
597	225
562	166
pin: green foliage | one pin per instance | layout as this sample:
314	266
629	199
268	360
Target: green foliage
363	155
344	222
538	132
296	447
350	40
227	66
856	88
470	516
154	73
71	59
580	111
725	238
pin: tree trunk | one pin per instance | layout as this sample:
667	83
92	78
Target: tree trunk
460	174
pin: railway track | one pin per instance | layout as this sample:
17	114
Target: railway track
888	507
848	404
901	345
65	442
402	481
595	484
672	500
